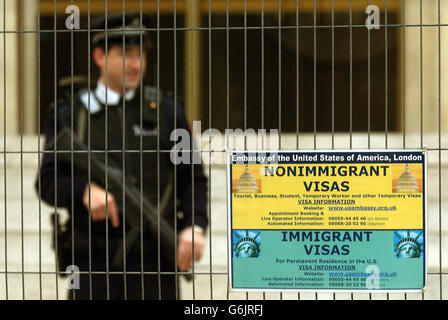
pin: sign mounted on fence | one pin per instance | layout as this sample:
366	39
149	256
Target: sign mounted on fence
330	220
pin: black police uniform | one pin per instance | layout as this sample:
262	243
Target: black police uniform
148	118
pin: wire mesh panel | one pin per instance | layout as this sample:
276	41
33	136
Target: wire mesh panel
152	94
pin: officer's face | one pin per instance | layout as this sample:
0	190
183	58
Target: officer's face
134	66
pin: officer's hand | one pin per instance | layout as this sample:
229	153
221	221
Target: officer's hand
98	204
185	248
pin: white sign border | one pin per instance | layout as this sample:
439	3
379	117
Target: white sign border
229	153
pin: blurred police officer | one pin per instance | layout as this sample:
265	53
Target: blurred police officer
118	110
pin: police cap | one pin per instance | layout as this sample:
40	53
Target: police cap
127	24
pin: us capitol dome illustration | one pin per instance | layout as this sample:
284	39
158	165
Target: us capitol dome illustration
406	183
247	183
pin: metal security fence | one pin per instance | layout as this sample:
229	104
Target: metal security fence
326	74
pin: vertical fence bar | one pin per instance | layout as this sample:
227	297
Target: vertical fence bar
297	83
262	74
158	148
279	17
262	79
71	155
421	85
386	82
123	146
142	270
262	83
368	86
194	15
421	74
315	81
368	93
332	85
192	28
332	76
351	83
351	76
404	73
315	75
245	83
280	76
404	84
297	77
